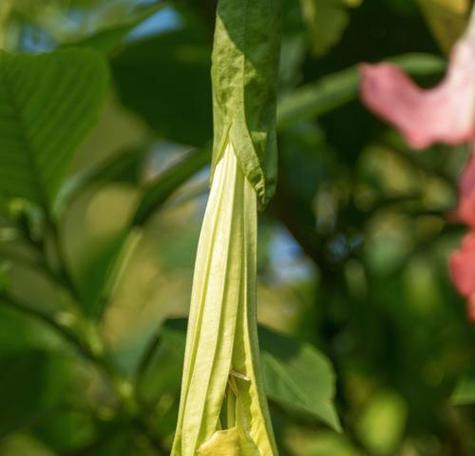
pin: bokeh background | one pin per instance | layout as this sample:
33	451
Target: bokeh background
352	254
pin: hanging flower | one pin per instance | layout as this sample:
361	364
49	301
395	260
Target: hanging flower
462	261
443	114
462	266
223	408
466	205
222	399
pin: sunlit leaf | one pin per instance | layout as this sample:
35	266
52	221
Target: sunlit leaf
25	397
333	91
446	19
464	392
160	189
298	377
326	21
166	80
47	104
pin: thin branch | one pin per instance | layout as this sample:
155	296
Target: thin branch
65	274
64	332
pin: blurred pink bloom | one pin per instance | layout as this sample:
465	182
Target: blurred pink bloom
462	268
445	113
466	205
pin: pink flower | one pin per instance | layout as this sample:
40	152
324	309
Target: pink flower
466	205
445	113
462	268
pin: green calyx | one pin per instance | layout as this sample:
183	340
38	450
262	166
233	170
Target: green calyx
244	73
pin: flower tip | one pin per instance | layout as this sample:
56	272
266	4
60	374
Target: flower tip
390	94
443	114
471	309
462	266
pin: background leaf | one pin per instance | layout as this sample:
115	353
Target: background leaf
464	392
298	377
326	21
446	19
24	402
335	90
166	80
47	105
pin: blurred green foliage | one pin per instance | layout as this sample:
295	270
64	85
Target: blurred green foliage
353	248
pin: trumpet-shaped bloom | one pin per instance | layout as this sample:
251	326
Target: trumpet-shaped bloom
445	113
466	205
223	410
462	267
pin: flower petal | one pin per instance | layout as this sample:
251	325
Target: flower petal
466	205
445	113
462	266
471	308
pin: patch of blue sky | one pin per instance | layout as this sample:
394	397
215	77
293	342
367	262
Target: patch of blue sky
162	21
288	263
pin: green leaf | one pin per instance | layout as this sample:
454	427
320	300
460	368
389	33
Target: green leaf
31	383
124	167
99	276
159	190
464	392
381	423
298	377
244	72
335	90
96	275
47	105
160	369
446	18
166	80
326	20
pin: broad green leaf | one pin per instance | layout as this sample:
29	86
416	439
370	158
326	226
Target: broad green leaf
99	276
26	397
124	167
66	430
381	423
298	377
160	369
22	443
446	18
335	90
166	80
21	331
159	190
326	20
96	276
47	105
464	392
